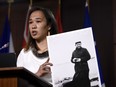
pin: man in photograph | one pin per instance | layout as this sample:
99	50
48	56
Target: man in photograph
80	56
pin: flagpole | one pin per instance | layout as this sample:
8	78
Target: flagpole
59	5
88	2
31	3
9	7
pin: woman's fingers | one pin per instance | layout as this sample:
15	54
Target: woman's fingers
46	65
45	68
47	62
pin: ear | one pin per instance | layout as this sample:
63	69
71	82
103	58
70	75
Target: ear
49	28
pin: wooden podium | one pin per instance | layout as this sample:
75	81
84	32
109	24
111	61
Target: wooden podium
9	77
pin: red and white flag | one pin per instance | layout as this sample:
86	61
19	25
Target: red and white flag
25	39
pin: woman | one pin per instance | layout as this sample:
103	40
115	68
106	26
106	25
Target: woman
34	56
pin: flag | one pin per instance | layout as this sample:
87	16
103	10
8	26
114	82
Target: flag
6	42
58	17
25	35
87	23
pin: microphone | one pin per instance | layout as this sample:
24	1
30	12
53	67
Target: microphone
4	46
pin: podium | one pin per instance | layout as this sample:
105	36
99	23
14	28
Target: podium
10	76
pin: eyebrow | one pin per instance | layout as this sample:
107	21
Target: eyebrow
36	18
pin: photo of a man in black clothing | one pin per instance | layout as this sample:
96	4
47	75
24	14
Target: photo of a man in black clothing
80	56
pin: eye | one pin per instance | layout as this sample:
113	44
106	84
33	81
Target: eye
38	21
30	22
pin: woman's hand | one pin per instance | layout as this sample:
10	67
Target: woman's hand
44	68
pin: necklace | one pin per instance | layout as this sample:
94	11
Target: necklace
41	54
42	51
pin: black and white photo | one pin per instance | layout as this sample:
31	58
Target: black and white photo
74	59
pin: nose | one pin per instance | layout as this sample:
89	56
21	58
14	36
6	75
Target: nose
34	26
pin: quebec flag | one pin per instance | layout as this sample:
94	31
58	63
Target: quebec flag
6	42
87	23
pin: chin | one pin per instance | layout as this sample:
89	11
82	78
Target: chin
34	37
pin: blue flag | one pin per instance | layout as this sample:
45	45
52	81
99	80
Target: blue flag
87	23
5	40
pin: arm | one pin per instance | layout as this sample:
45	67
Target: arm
86	56
72	58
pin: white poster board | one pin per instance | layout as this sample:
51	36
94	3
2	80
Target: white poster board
60	48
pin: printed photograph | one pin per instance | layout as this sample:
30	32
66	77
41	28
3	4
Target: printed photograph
74	59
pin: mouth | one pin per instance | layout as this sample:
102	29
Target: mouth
34	33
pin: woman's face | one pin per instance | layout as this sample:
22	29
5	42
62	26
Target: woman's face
38	25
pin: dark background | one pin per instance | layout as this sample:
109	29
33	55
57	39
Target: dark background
103	18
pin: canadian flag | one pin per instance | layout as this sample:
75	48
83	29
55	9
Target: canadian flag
25	39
